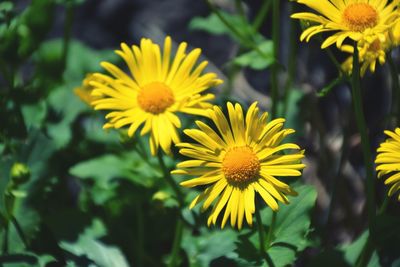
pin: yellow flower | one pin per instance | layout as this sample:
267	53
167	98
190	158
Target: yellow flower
243	157
369	54
395	34
388	161
84	92
155	91
354	19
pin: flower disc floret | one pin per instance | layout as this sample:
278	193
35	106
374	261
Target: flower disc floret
240	165
155	98
360	16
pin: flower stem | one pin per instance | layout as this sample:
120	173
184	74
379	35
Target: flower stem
395	88
261	15
275	66
361	125
69	19
140	234
179	224
170	181
271	229
19	231
243	38
265	242
177	244
291	60
5	238
261	233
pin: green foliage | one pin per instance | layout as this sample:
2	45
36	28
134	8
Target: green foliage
253	59
105	169
209	245
290	235
89	245
261	54
214	25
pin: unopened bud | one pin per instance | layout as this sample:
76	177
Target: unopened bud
20	173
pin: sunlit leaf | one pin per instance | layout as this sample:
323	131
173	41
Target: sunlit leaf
88	244
257	59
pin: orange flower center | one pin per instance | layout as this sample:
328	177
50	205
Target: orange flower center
155	97
240	165
360	16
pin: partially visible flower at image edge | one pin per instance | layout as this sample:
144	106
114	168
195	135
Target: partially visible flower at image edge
154	92
84	92
242	157
369	55
388	161
354	19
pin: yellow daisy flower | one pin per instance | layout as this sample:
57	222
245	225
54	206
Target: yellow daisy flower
354	19
242	157
388	161
369	54
84	92
395	34
155	91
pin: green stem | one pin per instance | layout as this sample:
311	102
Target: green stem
261	15
170	181
275	66
177	244
69	19
244	40
384	205
261	233
140	234
291	60
5	238
179	225
265	240
19	231
271	230
396	87
362	128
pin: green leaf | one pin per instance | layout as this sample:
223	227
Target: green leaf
352	251
68	107
208	245
25	260
290	235
89	245
257	60
292	226
34	114
105	169
214	25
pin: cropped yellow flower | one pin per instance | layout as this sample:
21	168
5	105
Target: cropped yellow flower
388	161
84	92
242	157
354	19
369	55
155	91
395	34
